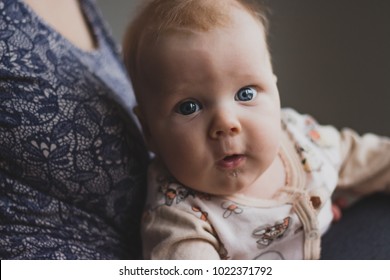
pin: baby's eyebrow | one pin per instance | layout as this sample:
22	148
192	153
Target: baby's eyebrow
178	89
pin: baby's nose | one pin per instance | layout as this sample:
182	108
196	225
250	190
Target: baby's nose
224	124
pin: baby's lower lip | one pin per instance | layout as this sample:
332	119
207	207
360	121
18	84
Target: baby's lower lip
231	162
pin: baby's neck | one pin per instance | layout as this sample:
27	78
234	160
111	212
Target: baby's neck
269	182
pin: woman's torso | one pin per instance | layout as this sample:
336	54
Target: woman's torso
71	159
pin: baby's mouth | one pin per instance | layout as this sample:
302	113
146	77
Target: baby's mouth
231	161
231	158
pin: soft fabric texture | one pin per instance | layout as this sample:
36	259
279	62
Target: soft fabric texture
72	162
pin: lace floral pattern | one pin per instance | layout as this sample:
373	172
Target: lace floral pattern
71	160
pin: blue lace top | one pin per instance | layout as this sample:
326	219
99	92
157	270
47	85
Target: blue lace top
72	163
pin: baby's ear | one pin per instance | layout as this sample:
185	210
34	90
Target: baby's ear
145	128
275	78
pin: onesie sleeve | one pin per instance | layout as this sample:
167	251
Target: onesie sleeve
361	161
365	162
169	233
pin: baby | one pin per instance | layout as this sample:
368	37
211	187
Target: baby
234	177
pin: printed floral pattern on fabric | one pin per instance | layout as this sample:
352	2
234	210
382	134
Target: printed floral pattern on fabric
322	136
231	208
267	234
202	214
173	191
66	156
309	160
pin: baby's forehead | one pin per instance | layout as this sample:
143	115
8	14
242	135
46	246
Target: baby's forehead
197	16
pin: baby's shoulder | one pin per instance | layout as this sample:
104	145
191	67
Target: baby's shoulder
310	136
307	127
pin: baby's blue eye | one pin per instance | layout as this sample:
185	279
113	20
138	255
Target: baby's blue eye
188	107
245	94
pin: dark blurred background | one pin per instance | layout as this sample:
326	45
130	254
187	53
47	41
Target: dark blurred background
332	57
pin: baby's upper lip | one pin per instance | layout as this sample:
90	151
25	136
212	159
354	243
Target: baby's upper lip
229	148
230	155
227	155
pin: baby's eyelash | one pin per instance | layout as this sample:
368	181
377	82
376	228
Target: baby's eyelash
188	107
246	94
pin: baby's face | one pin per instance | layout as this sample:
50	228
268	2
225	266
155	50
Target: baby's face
212	110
